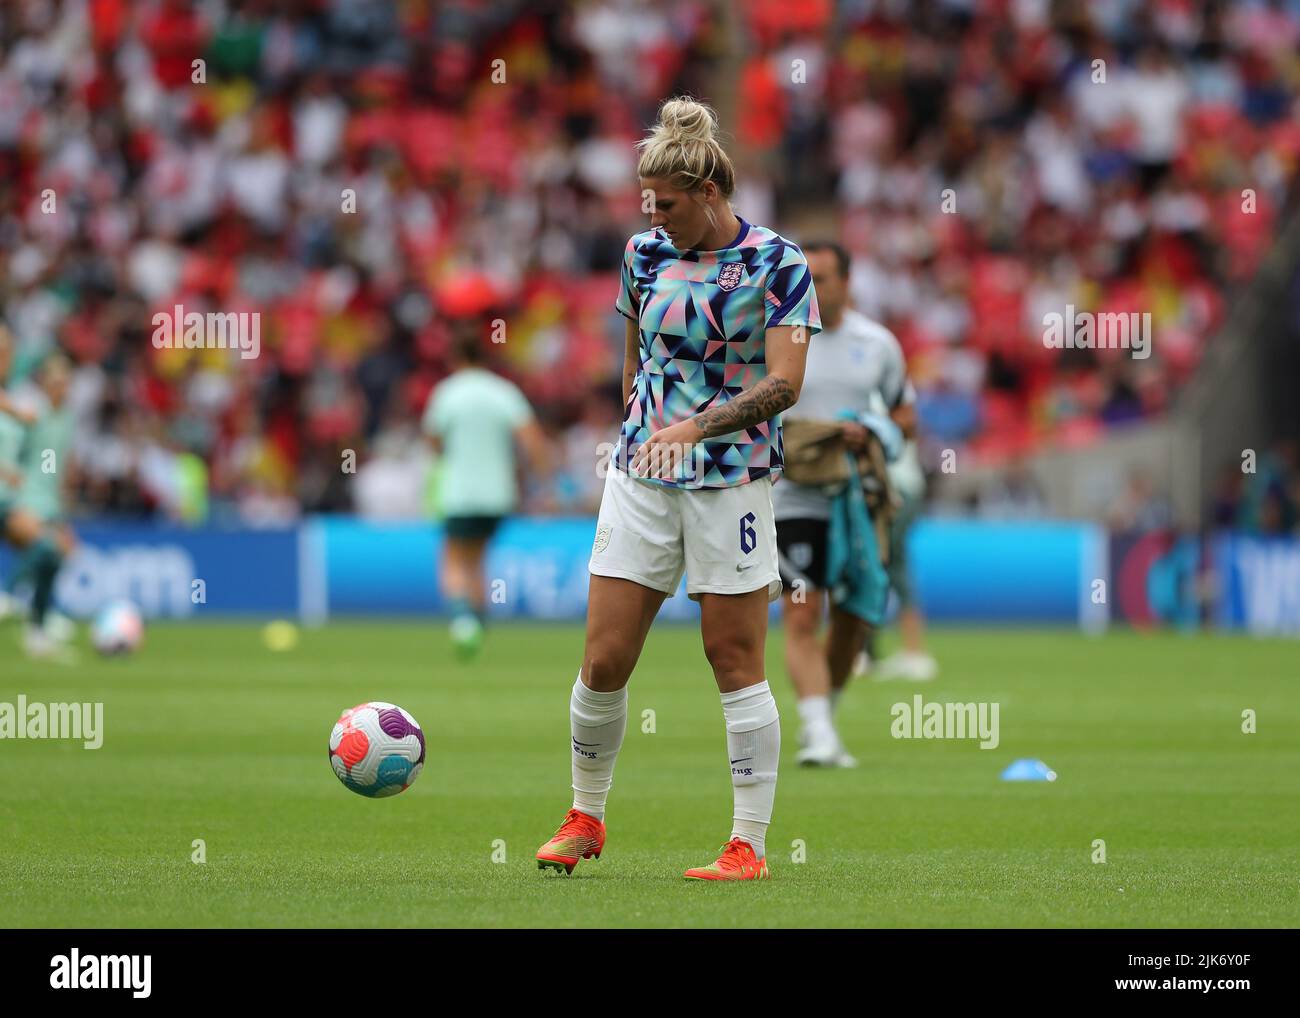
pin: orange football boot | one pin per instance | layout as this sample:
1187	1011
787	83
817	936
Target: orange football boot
579	837
737	862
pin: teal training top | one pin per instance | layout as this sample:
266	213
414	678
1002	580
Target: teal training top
475	413
45	455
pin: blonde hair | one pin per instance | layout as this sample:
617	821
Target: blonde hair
683	149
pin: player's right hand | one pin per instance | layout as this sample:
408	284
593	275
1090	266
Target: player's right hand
855	435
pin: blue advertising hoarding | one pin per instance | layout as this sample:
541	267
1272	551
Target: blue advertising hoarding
965	571
178	572
1257	582
1021	571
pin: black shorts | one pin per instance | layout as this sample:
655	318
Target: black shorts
801	552
468	528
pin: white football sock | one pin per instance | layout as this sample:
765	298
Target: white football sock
754	749
597	722
815	712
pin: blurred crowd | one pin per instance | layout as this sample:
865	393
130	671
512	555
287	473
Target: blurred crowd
1260	495
995	162
373	176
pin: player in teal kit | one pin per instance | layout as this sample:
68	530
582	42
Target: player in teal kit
475	419
30	504
719	315
856	377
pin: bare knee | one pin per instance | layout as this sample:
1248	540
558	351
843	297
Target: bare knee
24	528
801	620
606	666
736	659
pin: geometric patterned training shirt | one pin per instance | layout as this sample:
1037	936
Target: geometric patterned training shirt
702	317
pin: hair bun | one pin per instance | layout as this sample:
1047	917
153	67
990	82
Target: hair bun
683	148
684	119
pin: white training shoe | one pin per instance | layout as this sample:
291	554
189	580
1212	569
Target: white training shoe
40	646
826	753
60	627
908	666
918	667
822	753
9	606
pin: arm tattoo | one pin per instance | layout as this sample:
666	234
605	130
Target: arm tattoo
760	403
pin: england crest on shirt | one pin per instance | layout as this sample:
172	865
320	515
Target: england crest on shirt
729	275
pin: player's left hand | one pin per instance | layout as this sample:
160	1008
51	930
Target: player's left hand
664	453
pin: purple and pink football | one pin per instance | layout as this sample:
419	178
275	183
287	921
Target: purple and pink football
377	749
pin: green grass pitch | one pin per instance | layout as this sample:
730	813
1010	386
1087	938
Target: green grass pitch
209	735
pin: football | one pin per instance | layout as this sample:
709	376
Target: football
377	749
118	628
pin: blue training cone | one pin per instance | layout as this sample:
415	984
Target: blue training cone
1026	769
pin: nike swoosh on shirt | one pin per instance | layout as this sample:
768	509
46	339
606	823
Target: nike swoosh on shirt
742	566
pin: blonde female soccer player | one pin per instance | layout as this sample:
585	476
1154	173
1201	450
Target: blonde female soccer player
720	312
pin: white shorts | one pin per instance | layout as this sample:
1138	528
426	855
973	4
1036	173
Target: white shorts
723	539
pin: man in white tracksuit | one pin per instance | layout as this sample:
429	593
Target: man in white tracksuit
854	365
